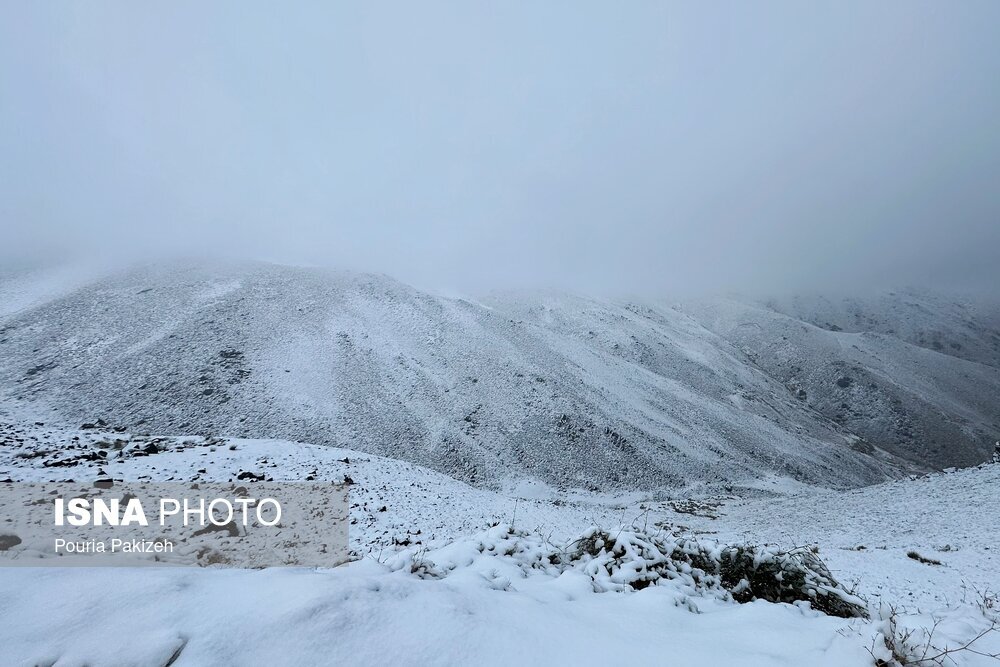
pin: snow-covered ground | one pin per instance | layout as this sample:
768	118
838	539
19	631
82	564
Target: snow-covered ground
365	614
487	604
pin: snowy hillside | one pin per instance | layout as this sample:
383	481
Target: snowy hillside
967	328
576	392
916	375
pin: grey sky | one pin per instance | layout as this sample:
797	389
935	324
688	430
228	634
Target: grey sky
655	147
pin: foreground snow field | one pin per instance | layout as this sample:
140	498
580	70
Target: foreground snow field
483	604
363	614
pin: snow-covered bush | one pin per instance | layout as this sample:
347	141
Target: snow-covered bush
934	640
634	559
752	573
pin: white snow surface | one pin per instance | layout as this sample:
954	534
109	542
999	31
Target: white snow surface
490	608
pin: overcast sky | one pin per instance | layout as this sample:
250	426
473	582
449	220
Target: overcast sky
642	147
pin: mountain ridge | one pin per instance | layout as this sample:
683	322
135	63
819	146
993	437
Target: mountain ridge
575	391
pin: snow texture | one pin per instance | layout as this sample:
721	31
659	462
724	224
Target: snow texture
577	392
433	583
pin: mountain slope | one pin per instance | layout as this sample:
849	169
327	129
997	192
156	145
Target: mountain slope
967	328
870	376
574	391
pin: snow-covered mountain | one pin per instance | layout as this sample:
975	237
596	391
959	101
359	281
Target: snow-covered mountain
915	373
574	391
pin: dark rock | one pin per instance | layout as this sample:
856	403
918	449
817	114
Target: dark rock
8	541
230	528
40	368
